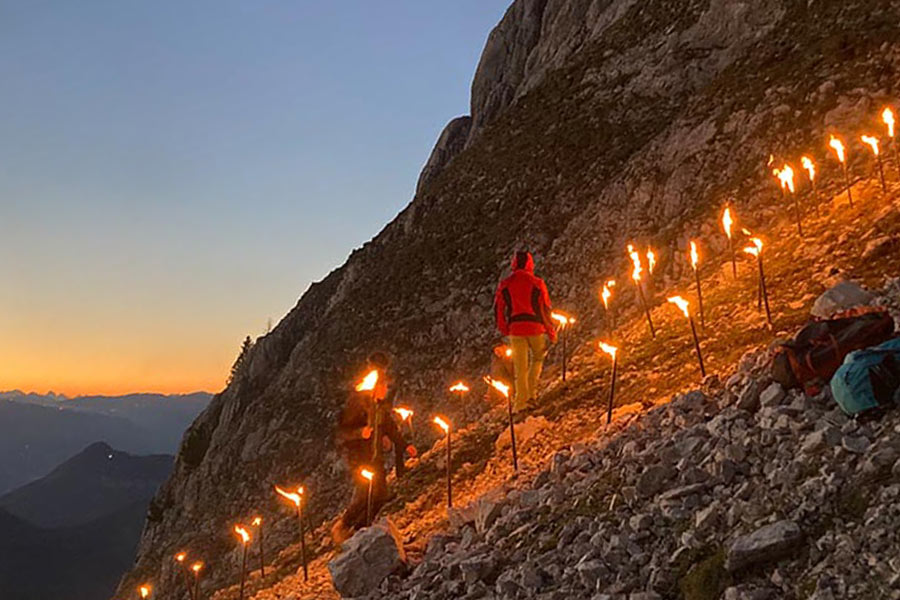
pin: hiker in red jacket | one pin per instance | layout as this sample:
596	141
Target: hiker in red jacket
522	306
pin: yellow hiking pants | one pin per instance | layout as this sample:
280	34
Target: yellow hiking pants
527	376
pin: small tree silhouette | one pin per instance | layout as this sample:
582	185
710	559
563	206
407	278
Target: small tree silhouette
238	365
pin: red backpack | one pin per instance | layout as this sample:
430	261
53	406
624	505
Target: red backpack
812	357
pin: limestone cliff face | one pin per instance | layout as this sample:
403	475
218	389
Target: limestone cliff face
594	122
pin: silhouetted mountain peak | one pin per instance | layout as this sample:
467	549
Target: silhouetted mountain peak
95	482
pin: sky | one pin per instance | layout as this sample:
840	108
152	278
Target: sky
175	174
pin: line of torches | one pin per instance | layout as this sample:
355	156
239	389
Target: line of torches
785	176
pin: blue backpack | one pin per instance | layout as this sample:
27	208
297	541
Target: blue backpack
869	379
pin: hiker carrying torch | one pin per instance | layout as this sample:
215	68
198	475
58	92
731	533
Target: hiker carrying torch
522	308
367	429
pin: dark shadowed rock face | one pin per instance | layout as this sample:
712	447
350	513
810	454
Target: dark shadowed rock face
450	143
595	122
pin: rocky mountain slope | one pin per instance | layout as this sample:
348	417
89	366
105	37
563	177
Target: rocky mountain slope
594	123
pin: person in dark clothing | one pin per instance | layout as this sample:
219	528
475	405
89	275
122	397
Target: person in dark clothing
366	428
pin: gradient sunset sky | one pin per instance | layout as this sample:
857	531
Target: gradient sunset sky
175	174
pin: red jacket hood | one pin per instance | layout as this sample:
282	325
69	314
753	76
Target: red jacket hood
521	256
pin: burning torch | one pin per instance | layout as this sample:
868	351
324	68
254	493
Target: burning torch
504	391
872	142
786	177
258	523
605	296
370	477
369	383
297	499
461	389
810	168
756	250
145	590
636	277
838	147
244	538
445	426
695	264
196	568
613	353
727	222
563	323
888	117
406	415
180	558
683	304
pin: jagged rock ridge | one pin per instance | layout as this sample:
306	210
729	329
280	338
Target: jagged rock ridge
592	121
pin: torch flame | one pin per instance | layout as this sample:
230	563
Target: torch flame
404	413
295	498
367	474
181	556
498	385
872	142
888	117
756	248
460	387
244	535
838	147
442	424
611	283
197	566
145	591
368	382
786	176
611	350
727	222
651	260
681	303
605	295
771	160
562	319
809	166
257	521
636	260
695	256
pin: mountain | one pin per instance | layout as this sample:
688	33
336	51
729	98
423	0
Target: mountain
73	533
38	432
77	563
94	483
594	123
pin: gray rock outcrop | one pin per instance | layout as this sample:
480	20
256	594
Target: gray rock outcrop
843	296
766	544
366	559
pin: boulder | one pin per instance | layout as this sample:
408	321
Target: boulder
772	395
766	544
653	479
367	559
843	296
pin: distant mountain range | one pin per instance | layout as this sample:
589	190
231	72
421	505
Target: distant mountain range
38	432
97	482
73	533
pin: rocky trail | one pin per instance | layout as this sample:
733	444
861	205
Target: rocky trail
695	483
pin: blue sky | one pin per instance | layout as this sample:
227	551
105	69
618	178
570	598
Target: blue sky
173	174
